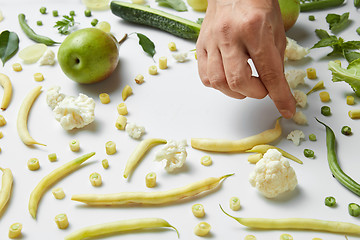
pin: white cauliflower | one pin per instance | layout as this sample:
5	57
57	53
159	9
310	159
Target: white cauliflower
48	58
174	153
295	77
134	130
300	97
295	136
273	175
71	112
300	118
294	51
180	57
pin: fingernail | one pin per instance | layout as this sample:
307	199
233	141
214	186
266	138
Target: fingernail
286	114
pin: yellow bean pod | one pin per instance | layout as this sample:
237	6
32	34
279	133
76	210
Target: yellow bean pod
150	198
6	84
119	227
23	114
51	179
6	186
241	145
126	92
139	153
263	149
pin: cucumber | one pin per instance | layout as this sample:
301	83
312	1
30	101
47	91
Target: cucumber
175	25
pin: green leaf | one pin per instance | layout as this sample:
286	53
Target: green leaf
147	45
337	22
322	33
326	42
351	45
64	25
351	55
9	44
178	5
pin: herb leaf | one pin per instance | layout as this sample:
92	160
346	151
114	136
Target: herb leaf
64	25
326	42
321	33
9	44
337	22
351	55
178	5
146	44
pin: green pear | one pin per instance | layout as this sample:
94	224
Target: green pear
290	10
88	55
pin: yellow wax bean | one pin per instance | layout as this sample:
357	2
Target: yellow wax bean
354	114
139	79
198	210
150	180
126	92
2	121
202	229
241	145
172	46
15	230
263	149
51	179
110	147
17	67
6	84
61	221
58	193
150	198
254	158
350	100
122	109
6	187
139	152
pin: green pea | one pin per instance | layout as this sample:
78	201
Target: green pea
325	110
72	13
43	10
55	13
87	13
39	23
312	137
94	22
308	153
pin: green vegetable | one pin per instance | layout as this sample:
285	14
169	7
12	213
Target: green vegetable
31	34
200	20
311	18
55	13
146	44
337	22
43	10
64	25
312	137
330	201
72	13
346	130
358	30
357	3
39	23
9	44
87	13
312	5
354	209
351	75
337	172
175	25
94	22
325	110
178	5
308	153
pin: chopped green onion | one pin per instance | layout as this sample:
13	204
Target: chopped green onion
346	130
325	110
39	23
94	22
87	13
312	137
308	153
55	13
354	209
330	201
43	10
72	13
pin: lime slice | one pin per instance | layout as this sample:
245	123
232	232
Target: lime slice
96	4
33	53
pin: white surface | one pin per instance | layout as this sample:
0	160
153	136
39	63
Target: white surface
172	105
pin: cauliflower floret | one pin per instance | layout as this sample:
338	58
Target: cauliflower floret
300	97
48	58
53	97
273	175
180	57
134	130
74	112
174	152
294	51
295	77
295	136
300	118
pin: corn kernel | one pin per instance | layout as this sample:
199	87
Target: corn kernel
202	229
33	164
235	203
62	221
52	157
1	135
172	46
17	67
139	79
121	122
150	180
95	179
2	121
206	160
198	210
254	158
110	147
163	63
354	114
153	70
350	100
105	163
122	109
311	73
38	77
324	96
58	193
15	230
126	92
104	98
74	145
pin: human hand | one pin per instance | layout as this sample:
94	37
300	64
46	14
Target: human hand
234	31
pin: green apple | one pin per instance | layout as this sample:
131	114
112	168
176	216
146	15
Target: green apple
290	10
88	55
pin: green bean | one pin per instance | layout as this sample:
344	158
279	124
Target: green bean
337	172
6	186
311	18
87	13
308	153
330	201
298	223
346	130
31	34
72	13
320	4
51	179
325	110
354	209
118	227
42	10
55	13
312	137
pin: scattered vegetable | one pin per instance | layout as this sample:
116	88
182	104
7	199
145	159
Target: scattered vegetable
95	179
311	73
121	122
61	221
42	10
105	163
110	147
311	18
354	114
17	67
139	79
15	230
55	13
311	5
337	22
33	164
263	148
2	121
235	203
351	75
74	145
153	70
172	46
206	160
330	201
346	130
254	158
58	193
39	23
9	44
198	210
6	84
286	236
325	110
354	209
104	98
173	153
52	157
202	229
65	25
39	77
309	153
72	13
350	100
163	63
318	86
122	109
312	137
150	180
126	92
324	96
94	22
6	187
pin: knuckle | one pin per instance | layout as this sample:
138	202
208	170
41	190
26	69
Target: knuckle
217	81
235	82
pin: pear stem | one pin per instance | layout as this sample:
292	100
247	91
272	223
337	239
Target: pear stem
123	38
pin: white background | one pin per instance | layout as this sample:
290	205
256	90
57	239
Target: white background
172	105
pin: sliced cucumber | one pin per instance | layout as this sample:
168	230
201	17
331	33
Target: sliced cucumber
175	25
